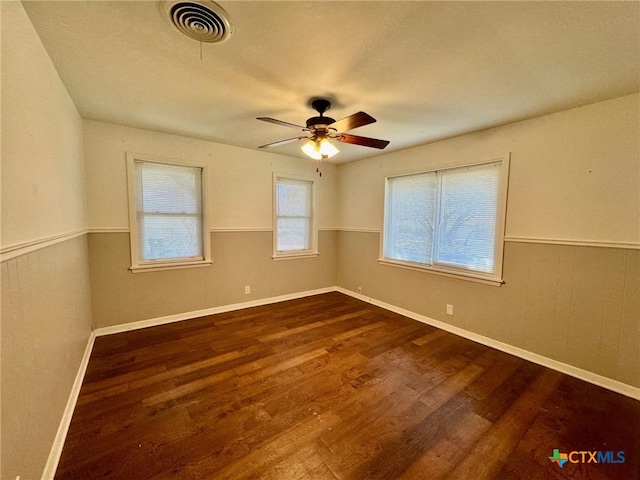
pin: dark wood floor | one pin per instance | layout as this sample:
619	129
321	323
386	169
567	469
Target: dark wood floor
328	387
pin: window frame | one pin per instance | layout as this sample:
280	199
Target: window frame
139	265
493	278
312	251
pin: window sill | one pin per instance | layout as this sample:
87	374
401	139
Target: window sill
157	267
291	256
442	271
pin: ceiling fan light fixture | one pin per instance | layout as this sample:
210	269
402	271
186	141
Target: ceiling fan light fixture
319	148
310	149
327	149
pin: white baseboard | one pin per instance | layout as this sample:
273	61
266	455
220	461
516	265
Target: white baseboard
152	322
61	435
576	372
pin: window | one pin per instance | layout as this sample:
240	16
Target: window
166	214
294	223
450	221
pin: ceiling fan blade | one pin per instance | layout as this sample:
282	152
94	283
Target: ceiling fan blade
281	142
280	122
353	121
364	141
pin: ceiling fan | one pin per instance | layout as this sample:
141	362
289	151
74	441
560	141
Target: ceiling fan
320	130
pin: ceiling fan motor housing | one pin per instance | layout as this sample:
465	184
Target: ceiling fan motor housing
319	123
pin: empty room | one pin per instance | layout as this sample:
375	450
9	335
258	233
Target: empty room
309	240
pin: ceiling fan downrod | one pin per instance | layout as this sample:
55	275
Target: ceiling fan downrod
319	125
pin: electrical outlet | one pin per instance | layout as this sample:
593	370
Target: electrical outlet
449	309
359	289
247	290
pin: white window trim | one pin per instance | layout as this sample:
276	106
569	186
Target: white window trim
494	278
288	255
158	265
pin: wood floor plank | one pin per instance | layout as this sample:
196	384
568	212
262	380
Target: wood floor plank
331	388
447	452
494	448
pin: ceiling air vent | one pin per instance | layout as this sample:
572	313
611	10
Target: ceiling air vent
203	21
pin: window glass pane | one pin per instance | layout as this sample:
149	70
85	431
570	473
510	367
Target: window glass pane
169	211
169	188
294	215
293	198
166	237
293	234
410	214
467	220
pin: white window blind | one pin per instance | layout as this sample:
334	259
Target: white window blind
169	212
467	217
410	217
444	218
293	215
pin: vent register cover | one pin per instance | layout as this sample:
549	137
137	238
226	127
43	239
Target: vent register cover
203	21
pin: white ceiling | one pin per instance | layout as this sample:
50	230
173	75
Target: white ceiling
424	70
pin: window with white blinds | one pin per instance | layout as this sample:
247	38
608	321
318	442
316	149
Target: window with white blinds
167	214
450	220
294	222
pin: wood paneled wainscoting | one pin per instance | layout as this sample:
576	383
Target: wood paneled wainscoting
329	387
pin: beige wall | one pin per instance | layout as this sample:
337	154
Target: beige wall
574	180
239	259
42	160
240	180
45	310
46	322
574	174
240	217
577	305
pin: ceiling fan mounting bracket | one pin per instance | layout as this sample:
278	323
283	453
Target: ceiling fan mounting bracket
321	105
